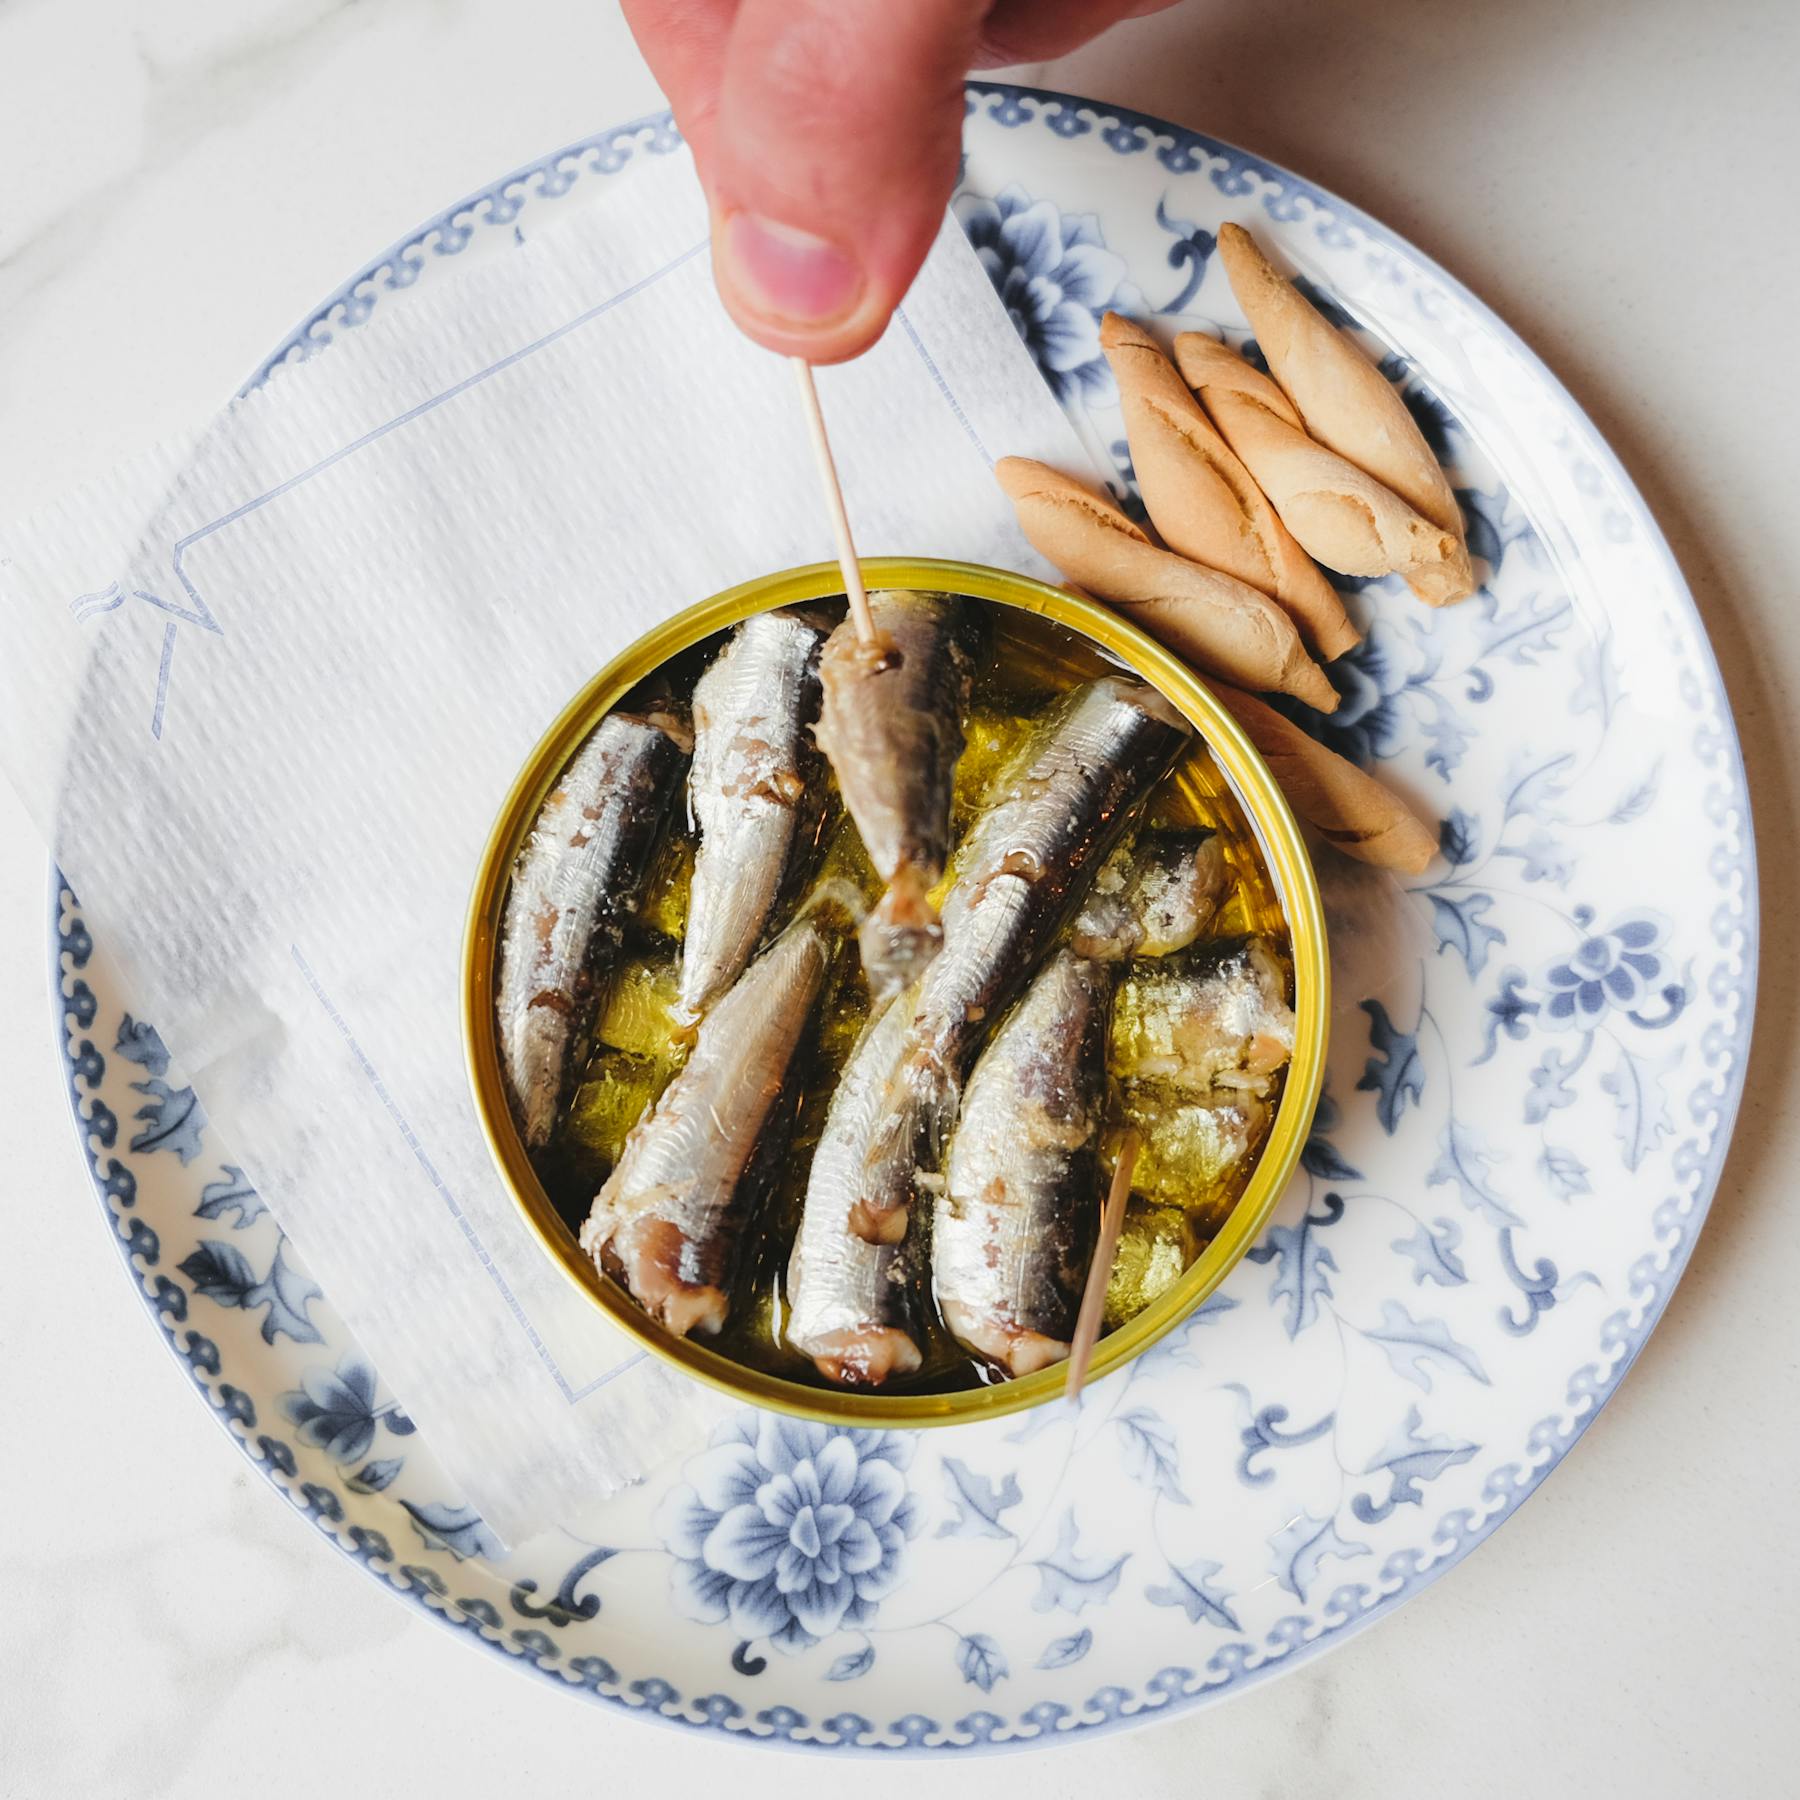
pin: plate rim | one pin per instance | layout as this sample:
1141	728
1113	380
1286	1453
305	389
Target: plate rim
452	228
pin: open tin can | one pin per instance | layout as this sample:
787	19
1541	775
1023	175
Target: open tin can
1239	779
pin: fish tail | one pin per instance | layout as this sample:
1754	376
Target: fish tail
901	934
937	1096
917	1118
906	906
835	903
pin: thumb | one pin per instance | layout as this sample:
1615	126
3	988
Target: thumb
833	152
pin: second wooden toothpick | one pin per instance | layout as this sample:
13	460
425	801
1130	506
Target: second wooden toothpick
854	590
1093	1298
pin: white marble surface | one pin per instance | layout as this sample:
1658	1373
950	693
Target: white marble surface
183	178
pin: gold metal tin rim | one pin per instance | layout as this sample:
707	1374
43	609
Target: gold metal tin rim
1264	805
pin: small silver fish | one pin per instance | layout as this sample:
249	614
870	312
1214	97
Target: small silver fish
576	882
1154	897
851	1304
666	1223
891	724
1025	865
748	790
1014	1229
1222	1023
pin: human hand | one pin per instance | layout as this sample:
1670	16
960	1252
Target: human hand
828	134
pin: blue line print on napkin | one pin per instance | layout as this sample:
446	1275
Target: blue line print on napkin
162	680
85	607
943	387
202	615
90	606
111	597
568	1391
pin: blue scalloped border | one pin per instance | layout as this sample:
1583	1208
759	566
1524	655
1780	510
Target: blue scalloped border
1349	1608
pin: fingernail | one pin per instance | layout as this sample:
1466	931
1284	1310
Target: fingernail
788	274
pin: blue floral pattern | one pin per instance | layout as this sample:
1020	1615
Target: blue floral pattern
1055	277
1616	969
335	1409
791	1530
1529	1103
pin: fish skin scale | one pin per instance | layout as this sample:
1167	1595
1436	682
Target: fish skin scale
747	787
576	880
679	1172
837	1283
1014	1230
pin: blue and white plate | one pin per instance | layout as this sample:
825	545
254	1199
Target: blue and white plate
1536	1059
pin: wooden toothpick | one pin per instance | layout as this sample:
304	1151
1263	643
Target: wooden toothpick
854	590
1093	1297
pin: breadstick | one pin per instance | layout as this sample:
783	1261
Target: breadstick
1345	401
1202	498
1339	514
1217	623
1351	810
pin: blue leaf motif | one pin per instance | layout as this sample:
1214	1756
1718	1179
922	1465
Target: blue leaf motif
1641	1116
852	1664
1540	1290
1566	1173
1191	1588
458	1529
1596	679
1066	1650
1460	927
1638	800
173	1119
232	1194
140	1044
372	1477
1465	1161
1414	1346
1302	1545
1447	741
1395	1071
1433	1251
1193	248
1548	1086
1070	1580
1150	1454
978	1502
1321	1158
1407	1460
1305	1265
1459	838
219	1272
1541	858
1508	1011
1532	786
1529	631
980	1660
287	1290
1264	1433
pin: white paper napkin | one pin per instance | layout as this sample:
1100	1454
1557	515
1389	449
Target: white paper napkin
266	690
